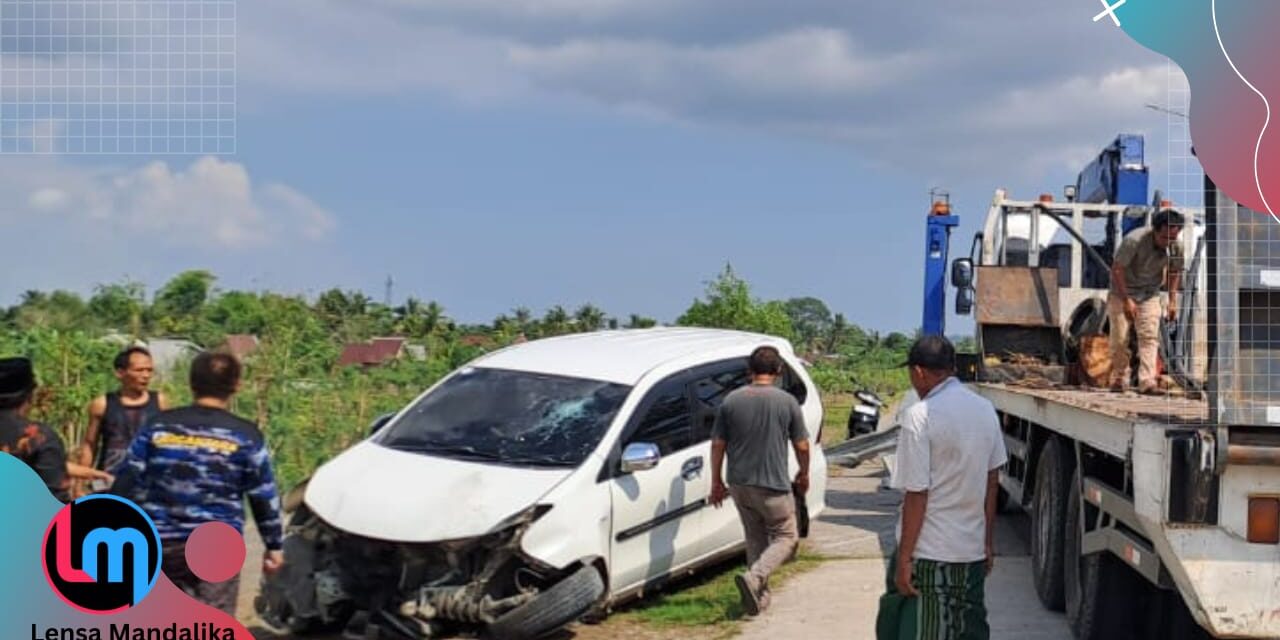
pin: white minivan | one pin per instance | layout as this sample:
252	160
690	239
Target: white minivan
537	484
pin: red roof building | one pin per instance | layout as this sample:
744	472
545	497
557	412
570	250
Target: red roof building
375	353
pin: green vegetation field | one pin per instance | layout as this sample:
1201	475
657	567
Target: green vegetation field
311	408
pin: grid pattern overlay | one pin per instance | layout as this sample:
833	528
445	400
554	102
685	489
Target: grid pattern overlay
1242	284
118	76
1185	185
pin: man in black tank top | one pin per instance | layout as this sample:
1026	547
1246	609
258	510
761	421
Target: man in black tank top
115	418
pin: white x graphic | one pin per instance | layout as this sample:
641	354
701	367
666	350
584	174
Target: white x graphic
1110	10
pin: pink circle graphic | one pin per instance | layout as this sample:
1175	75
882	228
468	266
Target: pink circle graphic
215	552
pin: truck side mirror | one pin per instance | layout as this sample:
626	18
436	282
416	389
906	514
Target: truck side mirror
962	273
964	302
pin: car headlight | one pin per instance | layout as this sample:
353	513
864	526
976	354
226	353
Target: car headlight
525	518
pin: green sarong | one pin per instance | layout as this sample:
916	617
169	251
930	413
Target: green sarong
950	605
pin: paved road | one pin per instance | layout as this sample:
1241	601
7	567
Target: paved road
838	599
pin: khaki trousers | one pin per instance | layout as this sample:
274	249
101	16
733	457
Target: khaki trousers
1147	324
769	520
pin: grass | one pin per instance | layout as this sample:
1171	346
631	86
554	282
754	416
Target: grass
708	599
836	408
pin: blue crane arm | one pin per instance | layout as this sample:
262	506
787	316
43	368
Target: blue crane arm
1118	175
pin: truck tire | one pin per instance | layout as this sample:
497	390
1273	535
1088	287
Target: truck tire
1100	592
556	607
1048	513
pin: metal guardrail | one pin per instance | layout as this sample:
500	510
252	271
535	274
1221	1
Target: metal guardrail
855	451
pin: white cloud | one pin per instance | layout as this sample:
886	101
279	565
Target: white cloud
1077	99
48	199
889	79
814	63
212	203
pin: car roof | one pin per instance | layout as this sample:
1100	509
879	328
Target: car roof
625	356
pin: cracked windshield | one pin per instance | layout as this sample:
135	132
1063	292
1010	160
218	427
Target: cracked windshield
509	417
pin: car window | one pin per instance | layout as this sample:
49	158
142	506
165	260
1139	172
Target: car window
792	383
666	421
709	390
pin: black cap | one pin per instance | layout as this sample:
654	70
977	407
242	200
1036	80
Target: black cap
932	352
16	377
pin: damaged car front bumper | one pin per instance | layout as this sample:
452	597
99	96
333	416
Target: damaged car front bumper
334	579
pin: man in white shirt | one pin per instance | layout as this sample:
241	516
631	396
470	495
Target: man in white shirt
950	450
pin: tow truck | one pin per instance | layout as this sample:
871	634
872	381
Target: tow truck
1151	517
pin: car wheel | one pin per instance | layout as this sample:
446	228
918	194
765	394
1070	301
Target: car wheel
556	607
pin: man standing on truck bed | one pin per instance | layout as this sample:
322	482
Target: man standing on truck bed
754	426
115	418
950	450
1146	260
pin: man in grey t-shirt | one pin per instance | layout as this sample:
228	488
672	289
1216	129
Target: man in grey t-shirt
754	426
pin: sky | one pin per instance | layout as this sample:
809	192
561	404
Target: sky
490	154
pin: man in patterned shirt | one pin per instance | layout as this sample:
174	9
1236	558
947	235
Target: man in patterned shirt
197	464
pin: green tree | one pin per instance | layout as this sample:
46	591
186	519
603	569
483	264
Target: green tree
810	318
185	295
61	310
555	322
178	306
119	306
237	312
729	305
589	317
637	321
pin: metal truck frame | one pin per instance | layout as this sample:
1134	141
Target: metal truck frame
1140	506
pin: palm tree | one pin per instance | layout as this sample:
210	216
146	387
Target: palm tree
433	317
589	317
555	321
523	317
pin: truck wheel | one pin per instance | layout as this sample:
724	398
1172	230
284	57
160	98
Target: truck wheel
1099	590
556	607
1048	512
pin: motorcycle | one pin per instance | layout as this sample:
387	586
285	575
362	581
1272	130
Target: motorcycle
865	416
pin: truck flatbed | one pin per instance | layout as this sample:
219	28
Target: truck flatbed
1100	417
1176	410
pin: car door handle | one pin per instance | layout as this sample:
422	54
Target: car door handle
691	468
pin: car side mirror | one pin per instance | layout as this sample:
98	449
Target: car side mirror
640	456
962	273
964	302
380	422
